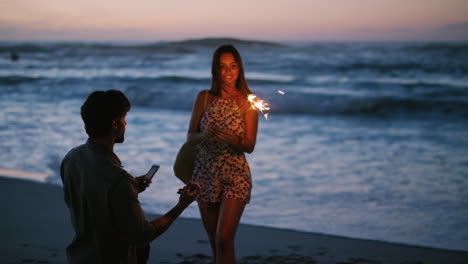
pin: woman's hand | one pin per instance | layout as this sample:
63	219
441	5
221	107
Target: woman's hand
225	136
196	138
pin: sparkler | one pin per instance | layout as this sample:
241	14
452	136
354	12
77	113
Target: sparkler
257	104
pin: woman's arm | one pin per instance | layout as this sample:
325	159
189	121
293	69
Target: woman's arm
246	143
194	134
250	136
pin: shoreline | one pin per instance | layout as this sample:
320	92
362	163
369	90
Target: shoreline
37	229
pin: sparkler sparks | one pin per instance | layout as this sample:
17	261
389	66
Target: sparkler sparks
258	104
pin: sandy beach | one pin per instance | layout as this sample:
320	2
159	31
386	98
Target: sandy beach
36	228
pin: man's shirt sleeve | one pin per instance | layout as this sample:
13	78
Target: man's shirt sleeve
131	222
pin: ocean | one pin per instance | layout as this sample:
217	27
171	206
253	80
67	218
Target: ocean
370	139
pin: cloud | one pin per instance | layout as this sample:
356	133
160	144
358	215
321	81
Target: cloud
447	32
28	34
458	31
458	27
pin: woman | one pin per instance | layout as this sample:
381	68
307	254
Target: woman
224	126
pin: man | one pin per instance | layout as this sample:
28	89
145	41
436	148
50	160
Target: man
109	223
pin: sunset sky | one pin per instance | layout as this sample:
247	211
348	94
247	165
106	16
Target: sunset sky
150	20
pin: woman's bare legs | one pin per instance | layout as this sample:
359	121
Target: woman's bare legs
209	213
221	221
230	213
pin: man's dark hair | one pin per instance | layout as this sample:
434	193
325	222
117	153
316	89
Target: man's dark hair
100	109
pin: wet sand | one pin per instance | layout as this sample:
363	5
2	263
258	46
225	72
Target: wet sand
35	228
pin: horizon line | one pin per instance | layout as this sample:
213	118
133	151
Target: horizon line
175	40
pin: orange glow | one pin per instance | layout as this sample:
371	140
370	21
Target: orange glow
261	19
258	104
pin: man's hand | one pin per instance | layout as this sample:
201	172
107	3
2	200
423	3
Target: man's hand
142	185
188	193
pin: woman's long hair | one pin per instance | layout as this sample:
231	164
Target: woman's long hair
216	82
